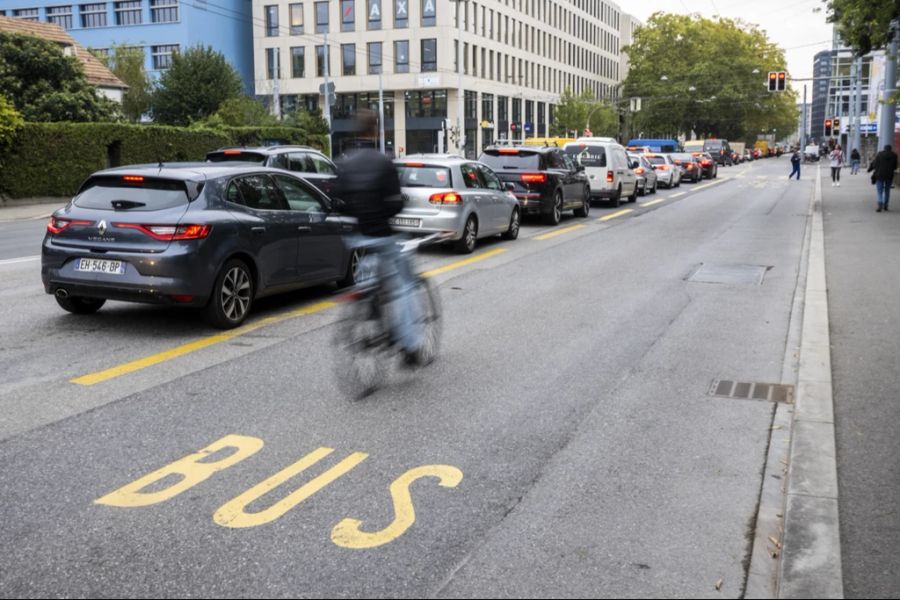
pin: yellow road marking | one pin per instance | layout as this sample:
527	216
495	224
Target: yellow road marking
552	234
678	195
462	263
651	203
703	187
615	214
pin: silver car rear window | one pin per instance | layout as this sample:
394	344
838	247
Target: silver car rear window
424	176
136	194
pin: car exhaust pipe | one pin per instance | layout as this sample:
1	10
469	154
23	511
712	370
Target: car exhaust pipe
62	293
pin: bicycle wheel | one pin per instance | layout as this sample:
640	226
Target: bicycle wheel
361	343
429	321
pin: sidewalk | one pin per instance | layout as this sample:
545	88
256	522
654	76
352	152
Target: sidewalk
861	250
41	208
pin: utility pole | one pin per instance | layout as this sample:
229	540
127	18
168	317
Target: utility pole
889	107
851	137
327	98
803	124
381	109
276	93
460	123
857	132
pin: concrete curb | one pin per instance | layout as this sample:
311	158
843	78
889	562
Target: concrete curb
811	554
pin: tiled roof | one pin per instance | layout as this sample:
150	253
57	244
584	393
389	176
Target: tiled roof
97	74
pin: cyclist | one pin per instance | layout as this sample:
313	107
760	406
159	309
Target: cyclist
369	185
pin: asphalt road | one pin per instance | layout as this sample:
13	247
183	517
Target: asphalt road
20	239
564	444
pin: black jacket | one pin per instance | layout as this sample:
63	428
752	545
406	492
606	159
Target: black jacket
370	187
795	158
884	165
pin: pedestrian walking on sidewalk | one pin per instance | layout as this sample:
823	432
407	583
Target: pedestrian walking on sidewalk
795	164
837	162
882	169
854	162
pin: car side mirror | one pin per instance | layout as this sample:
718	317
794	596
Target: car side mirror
509	186
338	205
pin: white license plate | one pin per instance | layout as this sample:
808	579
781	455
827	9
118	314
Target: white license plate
96	265
406	222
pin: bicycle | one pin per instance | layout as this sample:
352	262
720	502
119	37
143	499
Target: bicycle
366	339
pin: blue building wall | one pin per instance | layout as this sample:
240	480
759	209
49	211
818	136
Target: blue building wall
223	24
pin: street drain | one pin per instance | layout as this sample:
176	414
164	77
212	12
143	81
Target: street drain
771	392
729	274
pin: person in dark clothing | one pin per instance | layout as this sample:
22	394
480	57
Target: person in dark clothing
795	163
854	162
369	186
882	169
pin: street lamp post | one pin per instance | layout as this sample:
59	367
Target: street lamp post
460	123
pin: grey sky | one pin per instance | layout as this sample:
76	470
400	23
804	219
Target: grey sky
791	24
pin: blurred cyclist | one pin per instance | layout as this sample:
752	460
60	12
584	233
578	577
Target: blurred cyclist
369	185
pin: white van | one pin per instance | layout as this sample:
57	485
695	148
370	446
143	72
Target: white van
607	167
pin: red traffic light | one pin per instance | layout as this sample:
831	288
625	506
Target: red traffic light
772	76
781	75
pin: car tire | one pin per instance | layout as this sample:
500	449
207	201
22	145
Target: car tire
351	277
232	296
79	305
655	187
515	221
466	244
616	200
555	215
585	209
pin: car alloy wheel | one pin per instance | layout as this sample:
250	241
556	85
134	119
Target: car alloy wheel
514	223
235	295
466	244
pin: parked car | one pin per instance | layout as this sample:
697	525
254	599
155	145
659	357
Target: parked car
308	162
667	172
444	193
709	168
690	166
647	180
748	155
607	167
211	236
719	150
545	180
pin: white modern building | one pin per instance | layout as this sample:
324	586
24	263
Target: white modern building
517	58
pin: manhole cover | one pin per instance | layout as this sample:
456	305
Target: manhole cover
771	392
729	274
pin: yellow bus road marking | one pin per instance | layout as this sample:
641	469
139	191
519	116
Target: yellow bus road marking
615	215
708	185
553	234
651	203
463	263
166	355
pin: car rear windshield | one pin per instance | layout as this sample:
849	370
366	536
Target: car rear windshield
414	175
511	160
693	146
236	156
714	145
132	193
588	156
687	157
656	160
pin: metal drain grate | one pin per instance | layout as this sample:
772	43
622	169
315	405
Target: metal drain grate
772	392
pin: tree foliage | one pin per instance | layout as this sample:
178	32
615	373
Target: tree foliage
127	63
10	121
242	111
864	25
695	76
312	122
194	86
573	113
45	85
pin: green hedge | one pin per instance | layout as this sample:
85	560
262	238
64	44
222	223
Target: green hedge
53	159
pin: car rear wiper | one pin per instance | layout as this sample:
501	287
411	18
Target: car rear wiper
415	185
127	204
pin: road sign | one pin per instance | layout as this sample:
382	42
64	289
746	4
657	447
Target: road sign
868	128
529	127
330	88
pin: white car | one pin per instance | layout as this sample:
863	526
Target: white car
607	168
668	174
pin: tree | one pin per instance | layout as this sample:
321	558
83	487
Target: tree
574	111
241	111
127	63
312	122
194	86
10	121
696	77
45	85
864	25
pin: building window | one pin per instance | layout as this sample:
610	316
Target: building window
487	107
298	62
321	17
320	61
431	103
93	15
374	14
348	55
470	105
401	14
26	14
429	13
429	55
295	13
163	11
273	57
60	15
271	20
348	15
374	52
401	56
162	56
128	13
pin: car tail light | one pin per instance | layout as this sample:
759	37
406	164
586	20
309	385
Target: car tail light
610	177
133	179
706	163
168	233
534	178
508	150
662	167
57	225
445	198
415	164
232	152
690	166
639	170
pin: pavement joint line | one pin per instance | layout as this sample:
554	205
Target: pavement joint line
652	202
12	261
811	551
553	234
615	215
709	185
462	263
678	195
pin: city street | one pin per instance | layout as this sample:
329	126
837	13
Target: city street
564	444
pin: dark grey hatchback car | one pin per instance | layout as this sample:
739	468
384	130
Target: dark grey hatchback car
211	236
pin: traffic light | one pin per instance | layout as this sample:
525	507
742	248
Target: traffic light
513	126
782	79
836	126
827	127
773	81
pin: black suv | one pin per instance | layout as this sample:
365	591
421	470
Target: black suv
545	180
720	151
307	162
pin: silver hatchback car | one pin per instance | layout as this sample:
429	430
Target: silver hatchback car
453	194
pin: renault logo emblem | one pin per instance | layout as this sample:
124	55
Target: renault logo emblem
102	227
